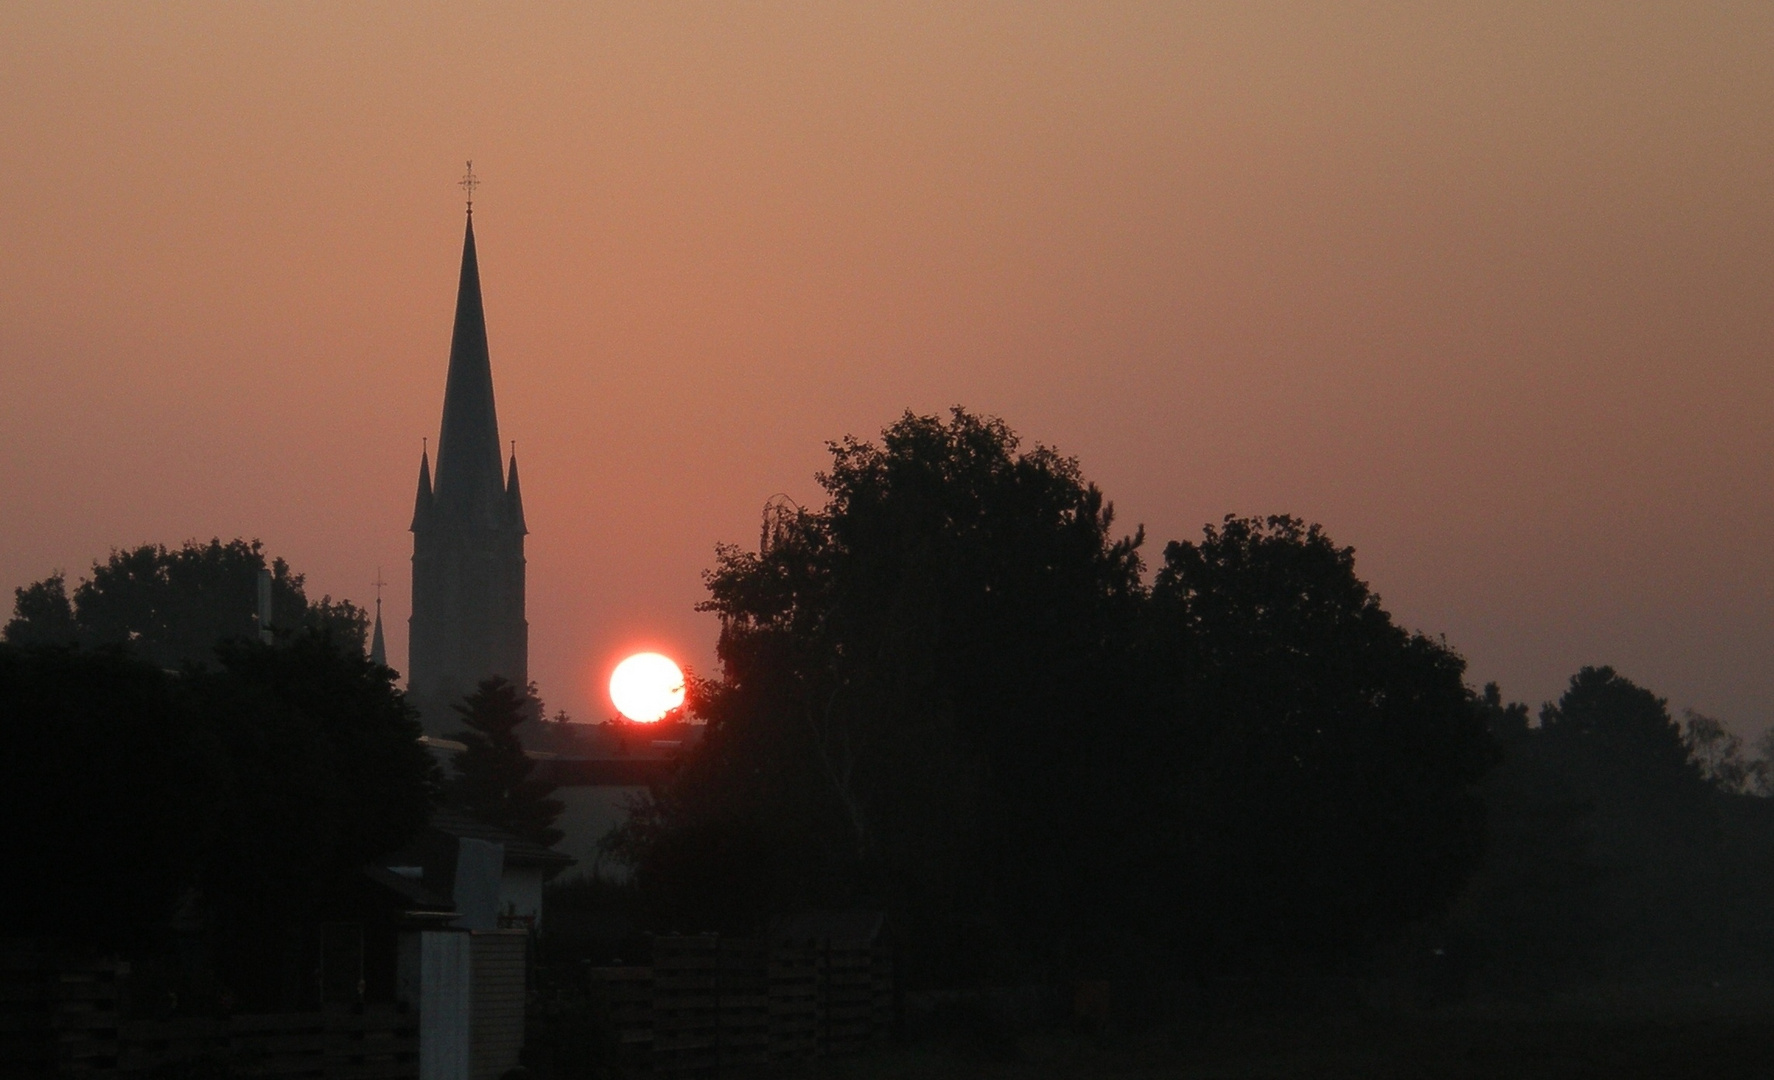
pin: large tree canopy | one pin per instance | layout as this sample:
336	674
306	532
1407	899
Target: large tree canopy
918	706
173	605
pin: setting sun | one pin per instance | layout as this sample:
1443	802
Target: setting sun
646	686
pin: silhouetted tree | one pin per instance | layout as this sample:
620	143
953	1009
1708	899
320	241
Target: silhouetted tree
494	780
172	605
1332	758
1655	822
327	775
111	793
928	689
1537	910
1621	846
1621	732
1718	753
42	614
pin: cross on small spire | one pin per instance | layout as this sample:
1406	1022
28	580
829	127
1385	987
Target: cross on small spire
468	183
378	583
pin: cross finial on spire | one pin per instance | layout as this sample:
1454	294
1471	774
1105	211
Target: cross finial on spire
468	183
378	583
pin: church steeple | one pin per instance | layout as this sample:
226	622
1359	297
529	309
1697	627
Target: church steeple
468	532
469	487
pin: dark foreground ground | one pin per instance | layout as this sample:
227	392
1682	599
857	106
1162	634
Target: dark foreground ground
1455	1046
1608	1033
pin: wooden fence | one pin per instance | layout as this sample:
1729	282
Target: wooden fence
710	1005
62	1018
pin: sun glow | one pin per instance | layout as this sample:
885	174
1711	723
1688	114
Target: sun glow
646	686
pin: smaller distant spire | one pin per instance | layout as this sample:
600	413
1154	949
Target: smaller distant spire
378	648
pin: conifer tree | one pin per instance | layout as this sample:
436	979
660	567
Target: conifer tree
494	781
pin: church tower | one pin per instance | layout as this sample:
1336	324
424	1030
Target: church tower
468	534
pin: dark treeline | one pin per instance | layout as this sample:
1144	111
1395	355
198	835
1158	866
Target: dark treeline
171	605
951	693
955	692
1620	846
177	791
201	802
224	809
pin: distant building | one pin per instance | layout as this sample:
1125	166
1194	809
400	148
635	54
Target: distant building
468	534
598	770
493	878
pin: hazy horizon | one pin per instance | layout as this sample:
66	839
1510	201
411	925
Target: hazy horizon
1481	288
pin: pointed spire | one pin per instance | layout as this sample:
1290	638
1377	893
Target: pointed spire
468	482
378	647
514	497
422	501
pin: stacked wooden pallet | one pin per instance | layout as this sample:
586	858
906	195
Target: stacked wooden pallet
59	1016
147	1046
743	990
371	1043
849	1014
625	999
686	1005
282	1045
710	1005
794	1001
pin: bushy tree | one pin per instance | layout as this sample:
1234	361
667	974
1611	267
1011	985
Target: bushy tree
1621	733
172	605
920	703
42	614
1717	752
494	777
1537	911
1331	758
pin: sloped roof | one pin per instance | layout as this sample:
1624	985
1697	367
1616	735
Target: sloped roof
413	892
518	851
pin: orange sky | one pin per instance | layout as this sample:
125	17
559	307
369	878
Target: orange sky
1483	287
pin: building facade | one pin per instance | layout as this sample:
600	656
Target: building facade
468	534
